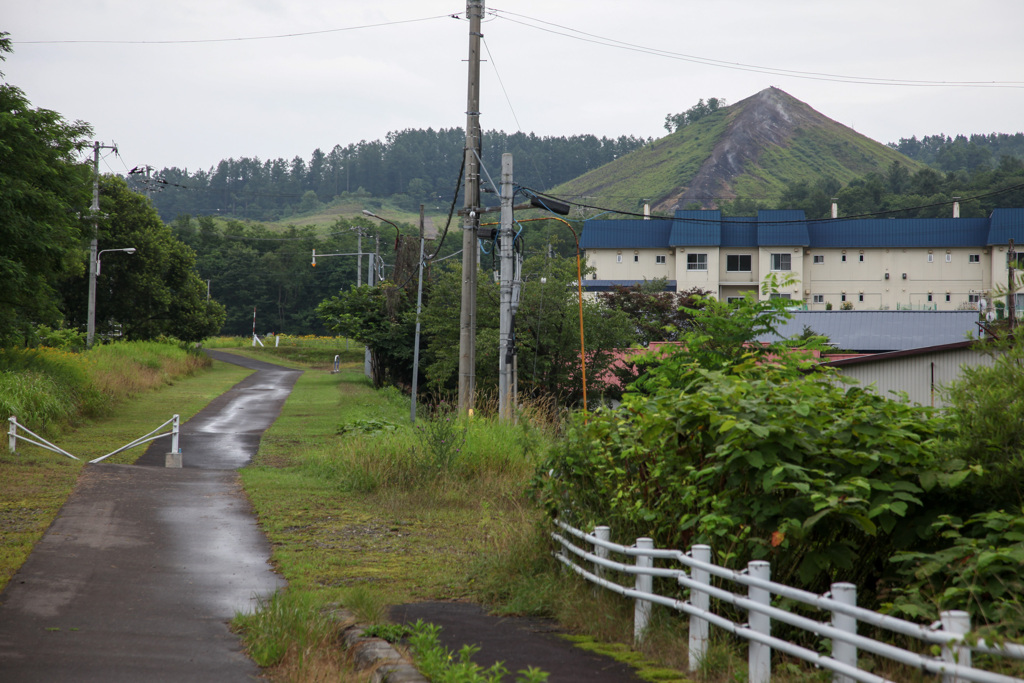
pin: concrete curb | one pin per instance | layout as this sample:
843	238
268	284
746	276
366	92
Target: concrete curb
388	664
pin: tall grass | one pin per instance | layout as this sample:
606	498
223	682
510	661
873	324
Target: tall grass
50	388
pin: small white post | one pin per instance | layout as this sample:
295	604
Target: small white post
277	340
12	434
173	459
644	584
175	427
602	533
955	622
843	652
699	628
759	658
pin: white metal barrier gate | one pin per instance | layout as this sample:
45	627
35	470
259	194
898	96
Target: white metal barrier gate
13	436
953	665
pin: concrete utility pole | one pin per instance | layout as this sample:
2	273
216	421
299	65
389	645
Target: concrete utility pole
416	344
505	351
471	219
90	330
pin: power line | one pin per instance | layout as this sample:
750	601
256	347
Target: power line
873	214
576	34
276	36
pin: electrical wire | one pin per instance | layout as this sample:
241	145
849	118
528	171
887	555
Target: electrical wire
576	34
276	36
873	214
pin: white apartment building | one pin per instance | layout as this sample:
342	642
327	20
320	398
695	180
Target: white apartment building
864	264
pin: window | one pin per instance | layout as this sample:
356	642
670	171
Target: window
974	258
819	298
659	259
843	259
929	298
618	258
636	258
733	299
931	257
862	258
781	262
737	263
1020	260
696	261
974	298
842	298
860	297
777	295
819	258
949	258
948	298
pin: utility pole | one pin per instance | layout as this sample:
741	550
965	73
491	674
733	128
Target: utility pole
505	351
90	330
416	344
471	219
1011	290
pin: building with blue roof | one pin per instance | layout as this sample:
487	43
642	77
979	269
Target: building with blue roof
866	264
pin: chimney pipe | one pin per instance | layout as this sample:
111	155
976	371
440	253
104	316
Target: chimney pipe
647	212
835	208
956	207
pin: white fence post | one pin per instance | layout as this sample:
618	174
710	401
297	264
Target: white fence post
958	622
602	533
175	424
759	658
12	434
845	653
644	584
699	628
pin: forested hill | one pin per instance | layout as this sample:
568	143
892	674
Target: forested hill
413	166
962	153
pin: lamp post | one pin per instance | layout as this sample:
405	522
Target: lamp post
94	271
419	306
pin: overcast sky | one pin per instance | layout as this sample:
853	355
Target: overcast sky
152	81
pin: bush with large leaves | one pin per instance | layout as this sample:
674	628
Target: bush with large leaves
743	447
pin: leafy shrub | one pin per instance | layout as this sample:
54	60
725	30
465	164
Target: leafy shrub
745	448
978	570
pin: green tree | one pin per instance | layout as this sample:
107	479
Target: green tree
376	317
42	192
151	293
656	315
674	122
547	330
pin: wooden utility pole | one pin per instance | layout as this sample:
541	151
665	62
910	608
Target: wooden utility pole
471	217
1011	290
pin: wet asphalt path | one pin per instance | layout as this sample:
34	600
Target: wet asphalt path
144	566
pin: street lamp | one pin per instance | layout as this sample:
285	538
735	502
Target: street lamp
94	271
419	307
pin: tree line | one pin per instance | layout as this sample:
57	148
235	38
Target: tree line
412	166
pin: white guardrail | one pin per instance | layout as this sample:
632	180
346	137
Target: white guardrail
13	436
951	633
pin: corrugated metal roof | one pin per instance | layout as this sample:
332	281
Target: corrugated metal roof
696	229
782	228
880	331
899	232
1007	224
632	234
740	232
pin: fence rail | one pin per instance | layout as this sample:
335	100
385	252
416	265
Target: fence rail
951	633
13	436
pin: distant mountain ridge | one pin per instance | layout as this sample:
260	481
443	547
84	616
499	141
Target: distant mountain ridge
751	149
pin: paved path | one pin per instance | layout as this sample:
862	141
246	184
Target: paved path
144	566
